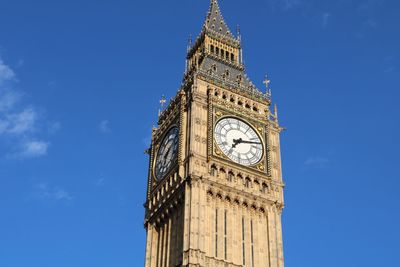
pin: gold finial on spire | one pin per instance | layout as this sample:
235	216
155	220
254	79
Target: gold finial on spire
162	103
267	83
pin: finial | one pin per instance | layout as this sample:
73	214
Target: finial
162	103
190	41
238	32
267	83
276	112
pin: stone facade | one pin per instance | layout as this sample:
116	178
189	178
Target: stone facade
208	210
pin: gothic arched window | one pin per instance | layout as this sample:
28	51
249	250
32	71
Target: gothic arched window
230	176
213	171
247	182
264	188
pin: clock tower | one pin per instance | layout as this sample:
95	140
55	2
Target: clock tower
215	189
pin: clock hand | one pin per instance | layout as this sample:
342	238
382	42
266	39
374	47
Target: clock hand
241	141
166	154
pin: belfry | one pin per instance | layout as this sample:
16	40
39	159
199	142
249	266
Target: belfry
215	188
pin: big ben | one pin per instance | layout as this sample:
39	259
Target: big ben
215	187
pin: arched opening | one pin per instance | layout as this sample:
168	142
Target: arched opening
247	182
230	176
264	188
213	171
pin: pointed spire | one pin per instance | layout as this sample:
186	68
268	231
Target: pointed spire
215	20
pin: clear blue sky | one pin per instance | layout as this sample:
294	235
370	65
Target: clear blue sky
79	88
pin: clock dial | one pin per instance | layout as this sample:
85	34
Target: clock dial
167	153
238	141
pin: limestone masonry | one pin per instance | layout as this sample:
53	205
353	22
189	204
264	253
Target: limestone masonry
215	189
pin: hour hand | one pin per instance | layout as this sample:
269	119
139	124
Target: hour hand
236	142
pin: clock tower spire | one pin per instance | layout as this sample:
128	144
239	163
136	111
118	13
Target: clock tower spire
215	187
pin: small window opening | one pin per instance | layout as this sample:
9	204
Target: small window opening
213	171
230	176
264	188
247	183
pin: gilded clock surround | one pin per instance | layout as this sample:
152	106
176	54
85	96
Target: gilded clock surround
208	210
261	130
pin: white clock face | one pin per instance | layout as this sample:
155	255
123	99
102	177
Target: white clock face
238	141
167	153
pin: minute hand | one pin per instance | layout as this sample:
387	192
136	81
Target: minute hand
241	141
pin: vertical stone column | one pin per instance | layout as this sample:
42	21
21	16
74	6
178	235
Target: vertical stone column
272	238
149	244
160	245
267	240
172	241
239	254
202	218
221	210
207	227
154	246
230	233
279	238
168	241
183	134
186	222
256	241
212	228
194	223
247	219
